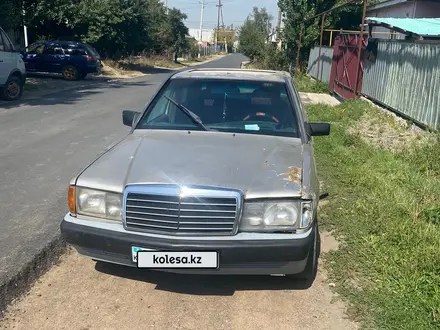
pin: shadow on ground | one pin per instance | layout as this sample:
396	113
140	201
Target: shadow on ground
59	77
73	94
146	69
220	285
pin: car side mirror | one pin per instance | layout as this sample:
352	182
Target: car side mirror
319	129
129	117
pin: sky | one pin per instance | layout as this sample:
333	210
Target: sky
234	11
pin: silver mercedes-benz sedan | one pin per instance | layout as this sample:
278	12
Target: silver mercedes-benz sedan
216	176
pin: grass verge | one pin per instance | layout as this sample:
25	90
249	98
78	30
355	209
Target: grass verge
308	85
140	64
303	82
384	207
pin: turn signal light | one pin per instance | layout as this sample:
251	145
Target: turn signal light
71	199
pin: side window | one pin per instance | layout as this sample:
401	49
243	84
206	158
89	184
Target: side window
53	49
7	46
79	51
35	49
74	50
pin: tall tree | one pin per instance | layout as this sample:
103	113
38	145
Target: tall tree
255	33
300	11
174	31
10	14
114	27
296	13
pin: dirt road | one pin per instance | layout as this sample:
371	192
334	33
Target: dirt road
82	294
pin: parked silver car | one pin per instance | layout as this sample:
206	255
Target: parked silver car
216	176
12	70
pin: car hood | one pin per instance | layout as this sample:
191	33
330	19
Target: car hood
260	166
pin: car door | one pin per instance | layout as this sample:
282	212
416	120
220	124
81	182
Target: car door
32	57
52	58
8	58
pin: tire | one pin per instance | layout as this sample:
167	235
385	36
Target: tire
13	89
70	72
309	273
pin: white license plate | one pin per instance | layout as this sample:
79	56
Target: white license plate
177	260
134	251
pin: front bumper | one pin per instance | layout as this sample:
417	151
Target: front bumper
250	256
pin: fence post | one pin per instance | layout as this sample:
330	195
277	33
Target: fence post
361	42
299	48
320	46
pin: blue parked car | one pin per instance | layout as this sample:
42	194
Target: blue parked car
73	59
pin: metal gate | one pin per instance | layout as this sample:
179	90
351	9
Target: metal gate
346	74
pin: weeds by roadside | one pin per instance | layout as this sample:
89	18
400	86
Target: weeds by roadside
308	85
139	64
304	83
144	65
384	207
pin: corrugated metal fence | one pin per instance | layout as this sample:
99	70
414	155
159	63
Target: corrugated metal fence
325	66
406	77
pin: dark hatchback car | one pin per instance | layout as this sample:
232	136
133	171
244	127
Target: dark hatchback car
73	60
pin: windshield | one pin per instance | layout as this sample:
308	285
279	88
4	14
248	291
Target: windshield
254	107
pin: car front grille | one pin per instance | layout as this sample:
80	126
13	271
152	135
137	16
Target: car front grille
210	212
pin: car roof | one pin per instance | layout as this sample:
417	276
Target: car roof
233	74
61	42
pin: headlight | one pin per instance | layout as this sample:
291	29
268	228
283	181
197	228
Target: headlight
100	204
276	216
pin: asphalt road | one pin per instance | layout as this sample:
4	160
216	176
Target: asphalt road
46	141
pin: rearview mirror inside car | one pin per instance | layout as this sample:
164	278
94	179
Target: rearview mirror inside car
129	117
319	129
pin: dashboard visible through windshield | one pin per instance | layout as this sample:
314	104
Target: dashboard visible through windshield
253	107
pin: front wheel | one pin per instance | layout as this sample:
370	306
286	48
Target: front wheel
70	72
13	89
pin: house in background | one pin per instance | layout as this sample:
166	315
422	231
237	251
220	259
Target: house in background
207	35
401	9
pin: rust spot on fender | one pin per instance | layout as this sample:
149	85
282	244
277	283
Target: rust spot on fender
294	175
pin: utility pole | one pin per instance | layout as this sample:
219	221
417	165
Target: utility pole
268	31
359	51
278	24
218	23
201	26
25	29
165	3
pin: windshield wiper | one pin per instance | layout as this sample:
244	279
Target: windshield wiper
190	114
